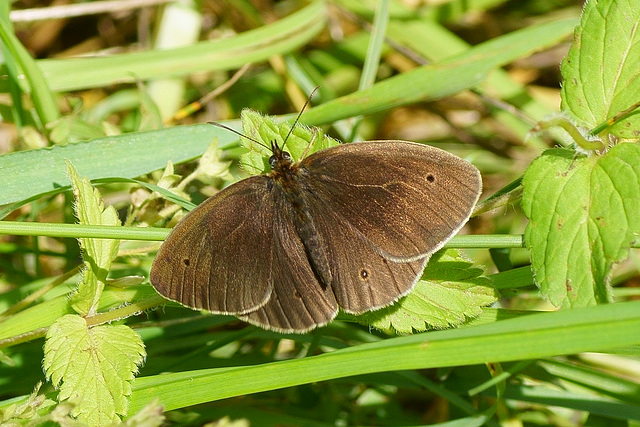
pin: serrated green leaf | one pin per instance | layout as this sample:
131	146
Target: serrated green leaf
583	214
600	73
264	129
451	291
92	367
97	253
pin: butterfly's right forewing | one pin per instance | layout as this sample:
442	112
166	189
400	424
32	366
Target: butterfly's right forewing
220	256
407	199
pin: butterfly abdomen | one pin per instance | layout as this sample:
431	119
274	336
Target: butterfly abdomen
287	179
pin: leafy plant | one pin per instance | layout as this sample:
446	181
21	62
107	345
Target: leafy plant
587	223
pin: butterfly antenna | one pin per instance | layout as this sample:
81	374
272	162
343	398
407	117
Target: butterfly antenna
300	113
220	125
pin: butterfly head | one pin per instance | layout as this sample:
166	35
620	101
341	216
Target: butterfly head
280	159
258	128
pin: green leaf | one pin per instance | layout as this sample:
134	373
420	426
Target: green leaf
149	416
303	140
601	70
97	253
451	291
92	367
583	214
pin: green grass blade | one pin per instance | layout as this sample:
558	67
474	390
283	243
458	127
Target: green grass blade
38	86
256	45
443	79
28	173
564	332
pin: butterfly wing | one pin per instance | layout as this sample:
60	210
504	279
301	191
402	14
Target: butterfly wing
383	208
298	302
220	257
408	199
238	253
363	279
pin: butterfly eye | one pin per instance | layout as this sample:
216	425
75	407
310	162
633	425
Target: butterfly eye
285	159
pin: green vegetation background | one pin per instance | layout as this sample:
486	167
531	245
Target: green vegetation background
471	77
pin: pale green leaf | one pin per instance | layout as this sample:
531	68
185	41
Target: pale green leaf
151	415
17	414
92	367
451	291
264	129
601	72
211	164
97	253
583	214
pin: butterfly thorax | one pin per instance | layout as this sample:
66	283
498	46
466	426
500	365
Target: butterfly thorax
286	175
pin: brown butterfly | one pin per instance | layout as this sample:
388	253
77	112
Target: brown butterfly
349	227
